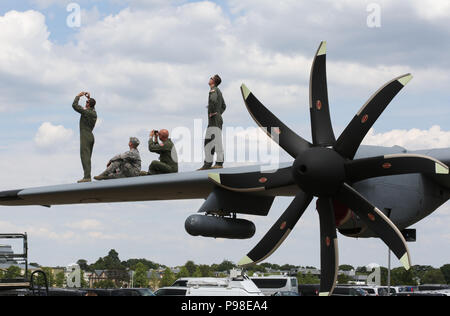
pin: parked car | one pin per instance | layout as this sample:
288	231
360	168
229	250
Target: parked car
270	285
377	290
119	292
132	292
286	294
309	289
172	291
236	286
349	291
66	292
433	287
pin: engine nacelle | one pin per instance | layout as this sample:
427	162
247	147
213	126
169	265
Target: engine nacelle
219	227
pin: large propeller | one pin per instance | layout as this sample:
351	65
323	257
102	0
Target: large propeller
325	169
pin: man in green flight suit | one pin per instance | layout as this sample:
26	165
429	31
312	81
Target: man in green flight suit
161	144
87	123
213	139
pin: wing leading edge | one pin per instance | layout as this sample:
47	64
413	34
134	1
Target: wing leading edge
179	186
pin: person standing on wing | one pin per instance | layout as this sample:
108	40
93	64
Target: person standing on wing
87	123
213	139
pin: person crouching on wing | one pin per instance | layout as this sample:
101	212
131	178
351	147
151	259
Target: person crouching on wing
161	144
125	165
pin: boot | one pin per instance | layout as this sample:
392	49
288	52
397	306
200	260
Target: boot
85	180
218	165
102	177
206	166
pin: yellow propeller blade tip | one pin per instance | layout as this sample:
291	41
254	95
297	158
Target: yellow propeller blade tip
406	79
322	49
245	91
245	261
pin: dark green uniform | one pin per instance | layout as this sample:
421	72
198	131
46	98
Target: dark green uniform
87	123
216	107
168	159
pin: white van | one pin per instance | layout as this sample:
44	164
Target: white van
238	286
270	285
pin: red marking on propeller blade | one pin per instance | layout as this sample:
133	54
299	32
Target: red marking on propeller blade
365	119
387	165
263	180
277	130
319	105
328	241
283	226
371	217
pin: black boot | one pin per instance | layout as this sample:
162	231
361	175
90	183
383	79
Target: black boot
206	166
219	165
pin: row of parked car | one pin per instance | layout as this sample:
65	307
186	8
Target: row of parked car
238	284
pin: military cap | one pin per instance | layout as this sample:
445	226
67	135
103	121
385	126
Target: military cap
217	80
135	141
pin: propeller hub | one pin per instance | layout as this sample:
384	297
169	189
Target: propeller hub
319	171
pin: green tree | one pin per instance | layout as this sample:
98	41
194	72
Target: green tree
168	278
343	279
361	270
400	276
184	273
434	276
60	279
50	277
13	272
105	284
197	273
307	278
140	275
205	271
346	267
132	263
225	266
110	262
83	264
84	284
445	269
287	267
191	267
154	280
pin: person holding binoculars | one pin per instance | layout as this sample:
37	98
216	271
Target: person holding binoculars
161	144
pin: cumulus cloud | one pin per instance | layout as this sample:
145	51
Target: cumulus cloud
87	224
412	139
49	135
148	66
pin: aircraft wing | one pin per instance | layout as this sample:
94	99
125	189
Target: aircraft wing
179	186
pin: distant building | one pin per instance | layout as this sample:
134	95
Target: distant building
6	261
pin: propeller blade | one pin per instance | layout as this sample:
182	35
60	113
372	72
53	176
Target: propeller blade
272	126
279	231
329	256
254	181
322	130
350	140
377	222
389	165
